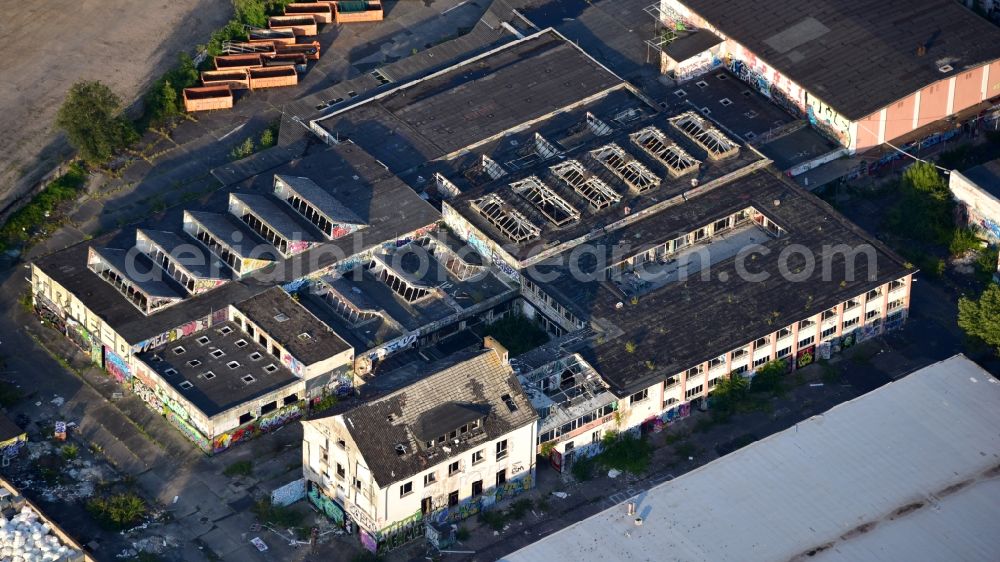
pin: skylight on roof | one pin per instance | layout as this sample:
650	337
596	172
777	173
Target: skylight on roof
547	201
511	223
281	317
186	385
593	189
248	379
623	165
203	340
703	132
658	145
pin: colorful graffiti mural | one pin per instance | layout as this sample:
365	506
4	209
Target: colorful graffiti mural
289	493
870	168
228	439
369	542
326	506
402	342
116	366
279	418
188	430
185	330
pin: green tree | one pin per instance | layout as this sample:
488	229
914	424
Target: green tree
769	376
925	210
981	318
92	117
728	393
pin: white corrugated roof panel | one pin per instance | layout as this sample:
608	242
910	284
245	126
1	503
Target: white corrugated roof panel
907	472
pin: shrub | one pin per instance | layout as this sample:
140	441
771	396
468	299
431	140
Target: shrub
70	452
276	515
119	511
517	333
769	376
243	149
38	213
269	137
462	534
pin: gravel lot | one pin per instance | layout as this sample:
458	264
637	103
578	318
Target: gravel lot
50	45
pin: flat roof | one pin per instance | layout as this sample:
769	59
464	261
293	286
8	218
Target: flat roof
820	44
905	472
189	358
305	337
691	43
683	323
986	177
624	115
390	208
471	101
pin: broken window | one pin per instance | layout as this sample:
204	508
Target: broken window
511	223
623	165
706	135
547	201
599	194
658	145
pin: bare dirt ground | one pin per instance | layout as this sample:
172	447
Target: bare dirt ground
50	45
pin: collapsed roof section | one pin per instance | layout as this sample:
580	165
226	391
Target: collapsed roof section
618	160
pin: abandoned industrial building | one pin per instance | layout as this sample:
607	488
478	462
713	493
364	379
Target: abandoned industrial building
436	451
662	251
912	69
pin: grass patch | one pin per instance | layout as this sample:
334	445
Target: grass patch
40	214
517	333
239	468
9	394
70	452
829	373
497	519
686	449
276	515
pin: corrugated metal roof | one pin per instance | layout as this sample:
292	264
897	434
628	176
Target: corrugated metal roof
906	472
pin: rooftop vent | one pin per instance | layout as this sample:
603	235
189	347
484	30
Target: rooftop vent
400	449
248	379
945	68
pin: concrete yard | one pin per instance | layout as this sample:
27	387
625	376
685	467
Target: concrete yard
51	45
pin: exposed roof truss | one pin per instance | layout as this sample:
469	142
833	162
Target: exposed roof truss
511	223
547	201
593	189
658	145
701	131
623	165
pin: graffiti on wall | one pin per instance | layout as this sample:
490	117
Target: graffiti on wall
402	342
279	418
696	66
869	168
289	493
506	269
369	542
414	526
188	430
326	506
227	439
185	330
116	366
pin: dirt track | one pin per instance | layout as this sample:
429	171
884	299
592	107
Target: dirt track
52	44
